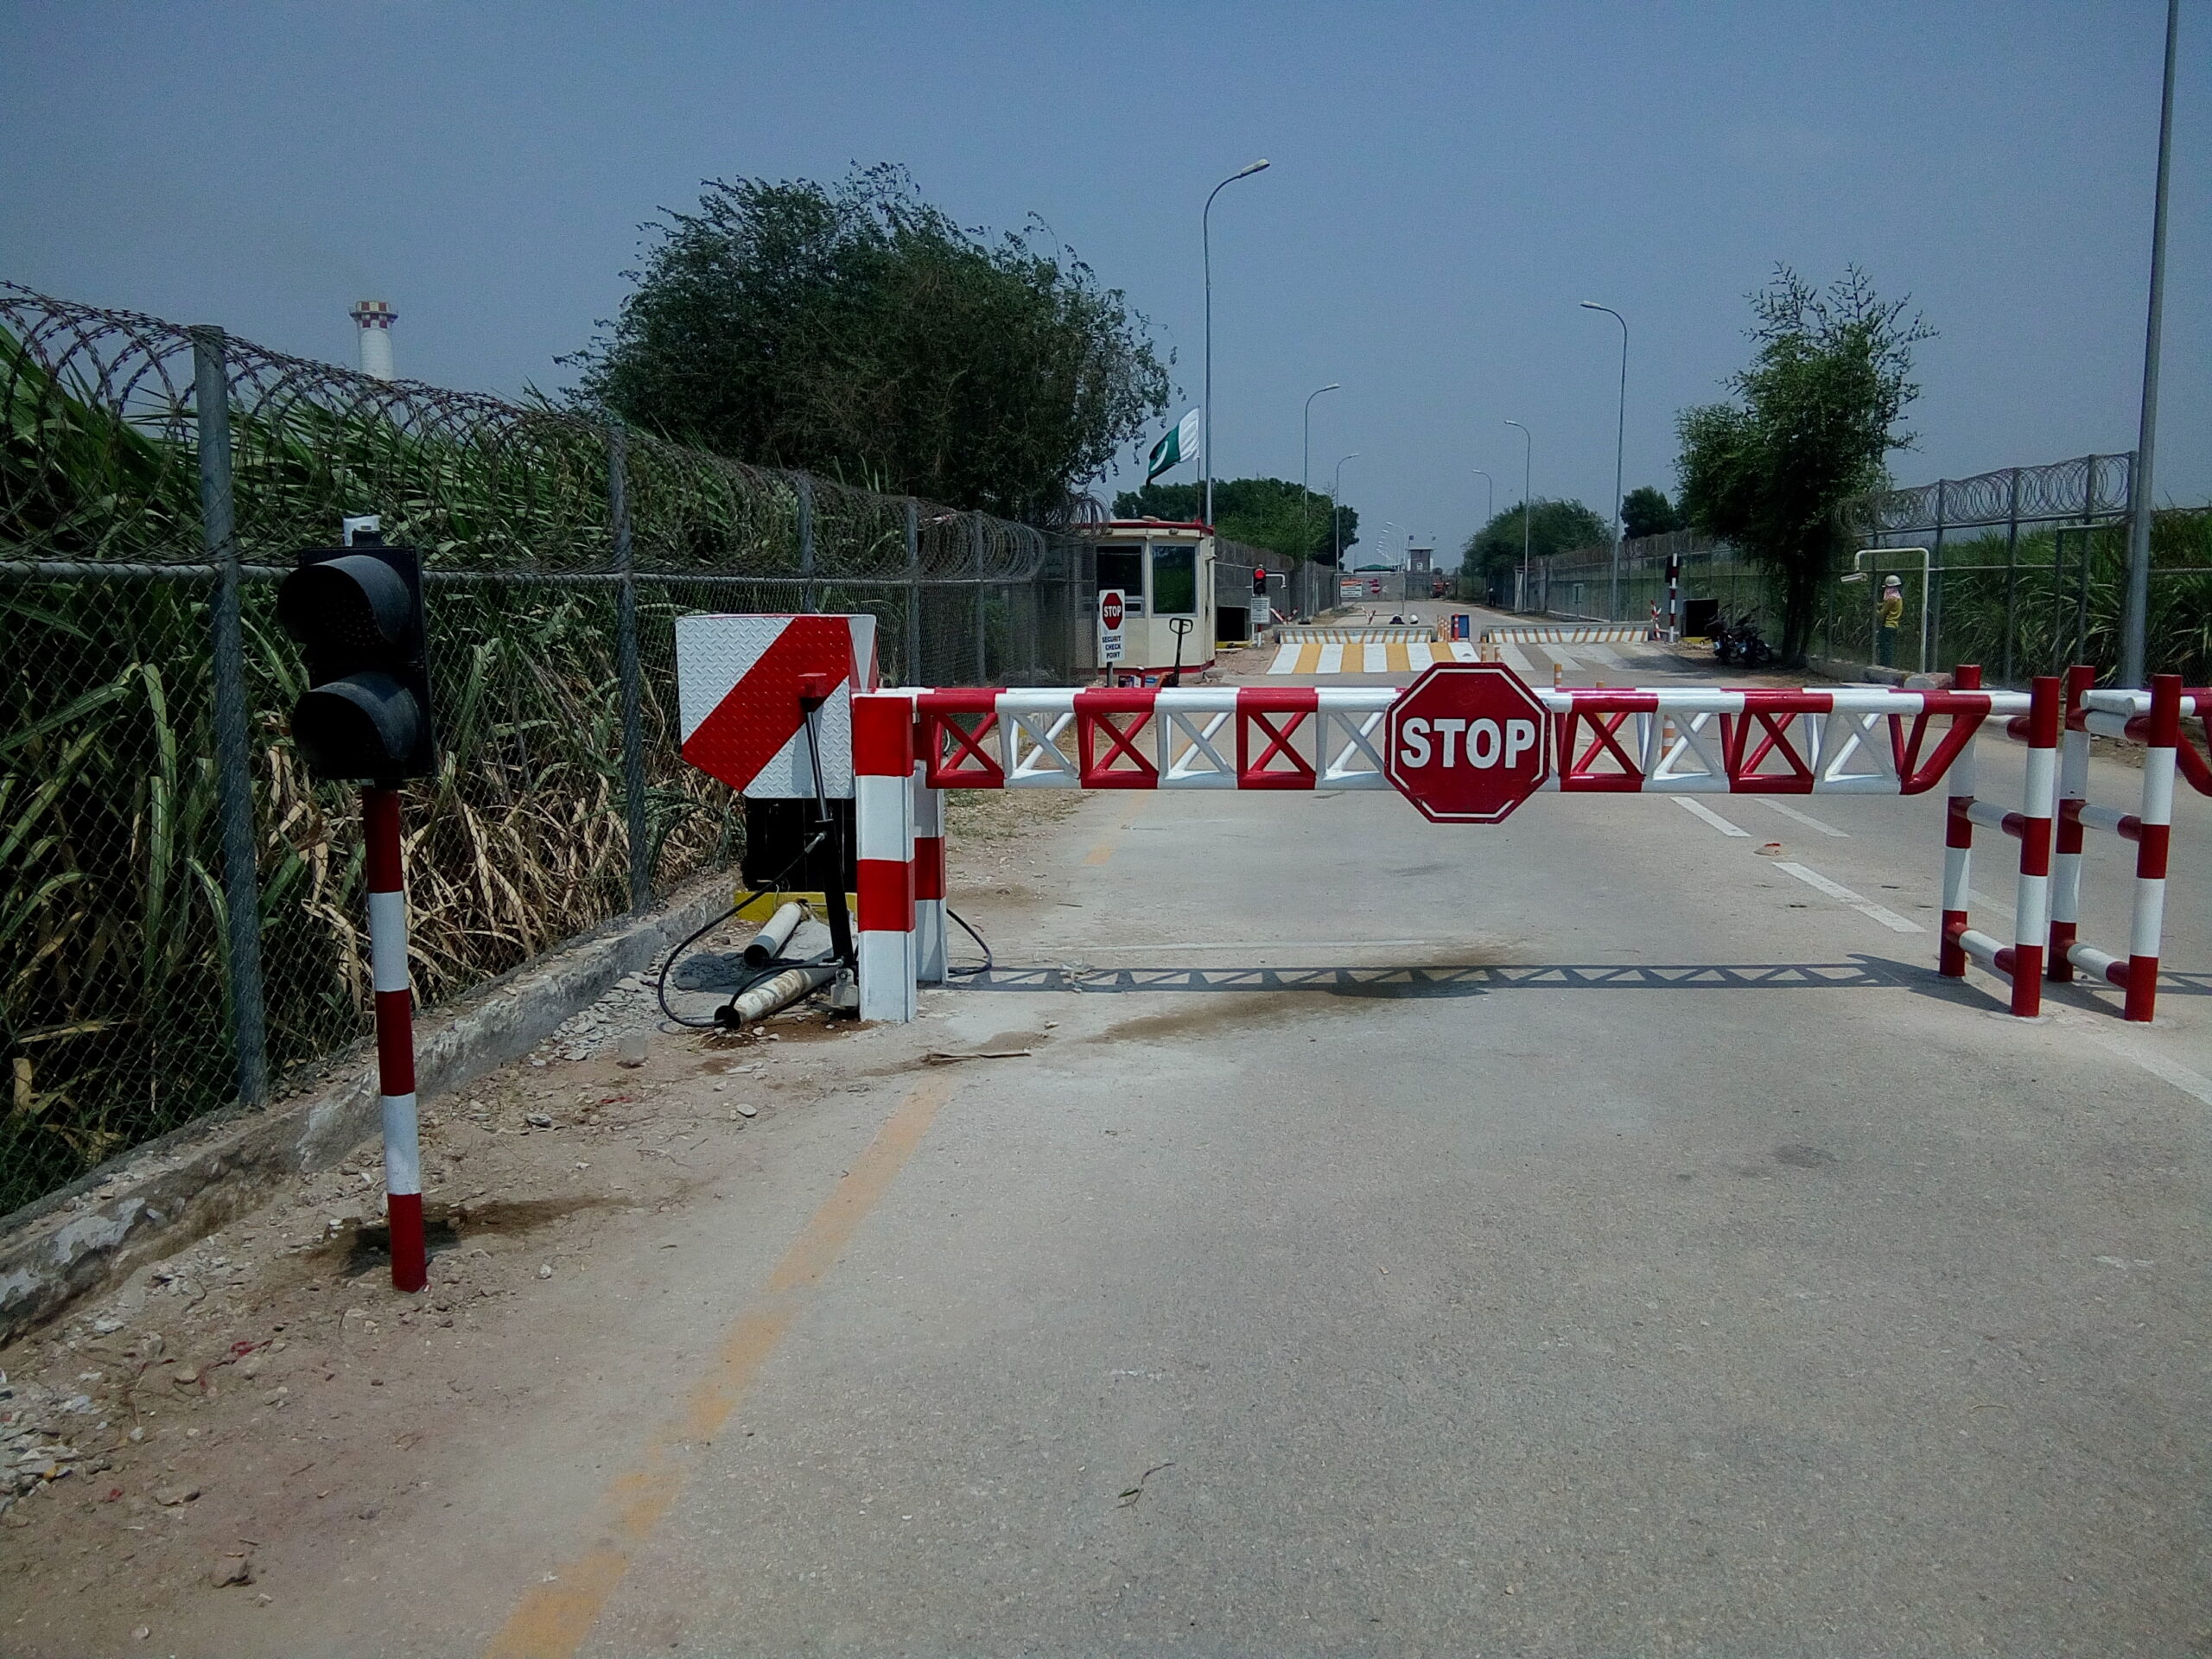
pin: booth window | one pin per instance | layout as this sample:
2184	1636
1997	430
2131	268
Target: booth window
1123	568
1174	581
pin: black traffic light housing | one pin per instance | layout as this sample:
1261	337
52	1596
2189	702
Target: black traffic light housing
1259	582
357	613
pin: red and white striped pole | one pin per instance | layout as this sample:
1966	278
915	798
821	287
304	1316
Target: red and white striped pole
1958	842
928	880
2073	795
403	1150
2152	838
883	814
2152	830
2039	799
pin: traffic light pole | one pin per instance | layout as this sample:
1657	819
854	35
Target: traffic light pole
402	1151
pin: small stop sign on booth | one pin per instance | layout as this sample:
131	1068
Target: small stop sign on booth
1467	744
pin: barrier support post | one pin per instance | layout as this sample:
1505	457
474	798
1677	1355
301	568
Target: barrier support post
2073	795
395	1015
929	879
2038	797
1958	843
2152	836
883	814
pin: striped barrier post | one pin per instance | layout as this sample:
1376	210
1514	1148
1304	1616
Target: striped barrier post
395	1015
928	880
2022	960
2073	796
2151	829
2038	801
883	814
2152	837
1958	843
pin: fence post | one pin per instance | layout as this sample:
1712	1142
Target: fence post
807	600
1931	620
982	657
233	757
2011	572
626	658
913	666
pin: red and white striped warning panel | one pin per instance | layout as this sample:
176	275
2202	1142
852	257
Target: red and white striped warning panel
738	684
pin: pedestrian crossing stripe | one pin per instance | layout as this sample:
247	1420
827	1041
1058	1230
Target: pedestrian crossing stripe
1391	657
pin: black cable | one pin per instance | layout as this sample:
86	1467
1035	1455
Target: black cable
985	966
754	977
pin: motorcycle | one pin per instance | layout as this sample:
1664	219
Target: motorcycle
1741	645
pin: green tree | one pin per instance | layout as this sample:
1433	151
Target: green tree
859	332
1553	527
1647	512
1814	421
1270	512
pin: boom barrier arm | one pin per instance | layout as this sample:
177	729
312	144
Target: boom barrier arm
1863	742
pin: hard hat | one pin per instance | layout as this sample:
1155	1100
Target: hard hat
1892	581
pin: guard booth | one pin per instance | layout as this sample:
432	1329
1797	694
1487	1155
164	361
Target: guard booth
1165	572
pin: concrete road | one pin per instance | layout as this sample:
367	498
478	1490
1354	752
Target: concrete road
1584	1235
1699	1306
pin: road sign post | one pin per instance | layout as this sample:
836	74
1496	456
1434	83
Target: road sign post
1467	744
1112	607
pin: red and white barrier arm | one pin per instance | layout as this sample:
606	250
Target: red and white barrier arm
1957	844
1176	737
2022	961
395	1017
883	816
1870	741
1854	740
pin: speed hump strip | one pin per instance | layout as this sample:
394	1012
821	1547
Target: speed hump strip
1467	743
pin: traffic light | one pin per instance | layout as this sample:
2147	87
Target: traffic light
1259	582
357	613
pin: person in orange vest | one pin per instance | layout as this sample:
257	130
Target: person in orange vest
1888	617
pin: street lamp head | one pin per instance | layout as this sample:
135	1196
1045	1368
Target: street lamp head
1260	166
1333	386
1591	305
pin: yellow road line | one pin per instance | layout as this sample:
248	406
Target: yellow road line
556	1617
1104	850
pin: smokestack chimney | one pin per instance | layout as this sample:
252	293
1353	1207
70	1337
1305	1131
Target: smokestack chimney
375	318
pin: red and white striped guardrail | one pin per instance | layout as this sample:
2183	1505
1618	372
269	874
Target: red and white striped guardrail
2054	813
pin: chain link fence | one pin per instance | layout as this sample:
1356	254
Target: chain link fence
2022	570
180	905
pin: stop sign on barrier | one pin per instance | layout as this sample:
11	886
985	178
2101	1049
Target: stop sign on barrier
1466	743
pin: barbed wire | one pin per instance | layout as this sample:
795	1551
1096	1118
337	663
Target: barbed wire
101	465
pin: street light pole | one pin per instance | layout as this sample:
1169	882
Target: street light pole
1620	438
1337	517
1206	252
1528	463
2131	644
1305	457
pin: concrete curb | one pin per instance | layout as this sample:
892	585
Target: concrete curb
156	1198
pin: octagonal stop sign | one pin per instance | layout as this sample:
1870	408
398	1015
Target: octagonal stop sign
1466	743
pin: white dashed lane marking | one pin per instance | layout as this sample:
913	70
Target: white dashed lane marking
1842	894
1805	818
1699	809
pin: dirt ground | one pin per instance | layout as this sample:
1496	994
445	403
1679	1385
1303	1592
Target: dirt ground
267	1383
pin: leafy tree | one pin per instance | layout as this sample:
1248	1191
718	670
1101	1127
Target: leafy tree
1814	418
1647	512
1553	527
857	331
1268	513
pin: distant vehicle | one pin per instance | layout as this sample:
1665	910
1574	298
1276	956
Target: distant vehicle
1742	646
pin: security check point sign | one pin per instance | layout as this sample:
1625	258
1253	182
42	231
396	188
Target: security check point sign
1111	609
1466	743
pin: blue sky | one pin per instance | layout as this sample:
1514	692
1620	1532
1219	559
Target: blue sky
1447	182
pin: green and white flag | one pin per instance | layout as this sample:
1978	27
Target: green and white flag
1181	444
